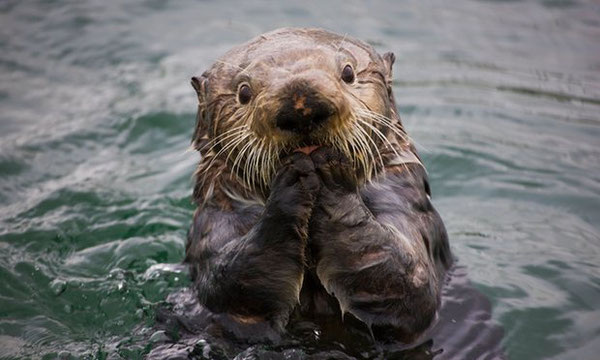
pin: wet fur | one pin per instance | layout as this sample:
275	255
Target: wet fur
342	230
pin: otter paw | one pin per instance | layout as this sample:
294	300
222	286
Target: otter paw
334	169
296	185
298	168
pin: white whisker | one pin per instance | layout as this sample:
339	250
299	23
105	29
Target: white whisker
380	135
241	155
370	140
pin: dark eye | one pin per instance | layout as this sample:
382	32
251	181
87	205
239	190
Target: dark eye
348	74
244	94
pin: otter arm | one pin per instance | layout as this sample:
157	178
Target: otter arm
381	252
249	262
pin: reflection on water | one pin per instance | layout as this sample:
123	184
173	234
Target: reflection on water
502	98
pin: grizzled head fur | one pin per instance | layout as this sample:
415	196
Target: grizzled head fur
287	90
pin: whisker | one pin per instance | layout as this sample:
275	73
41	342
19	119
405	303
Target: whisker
240	156
371	140
235	145
256	164
383	120
253	163
405	166
273	160
341	42
222	137
229	147
392	125
364	150
248	160
365	108
380	135
268	162
359	151
229	131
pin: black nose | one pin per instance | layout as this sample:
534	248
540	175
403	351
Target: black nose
303	109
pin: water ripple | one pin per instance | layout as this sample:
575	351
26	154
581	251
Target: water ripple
502	98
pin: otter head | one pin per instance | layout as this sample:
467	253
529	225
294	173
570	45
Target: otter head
295	89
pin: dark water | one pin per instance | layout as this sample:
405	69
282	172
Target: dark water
502	97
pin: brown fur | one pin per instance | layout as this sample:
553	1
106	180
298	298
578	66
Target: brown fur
347	227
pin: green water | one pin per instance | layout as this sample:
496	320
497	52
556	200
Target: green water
502	98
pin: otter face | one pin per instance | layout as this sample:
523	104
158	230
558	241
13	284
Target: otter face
296	89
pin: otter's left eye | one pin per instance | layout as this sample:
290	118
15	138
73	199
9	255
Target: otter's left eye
348	74
244	94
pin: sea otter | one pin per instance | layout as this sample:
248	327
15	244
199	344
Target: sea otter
311	197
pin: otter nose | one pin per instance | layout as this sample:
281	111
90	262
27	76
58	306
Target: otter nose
302	109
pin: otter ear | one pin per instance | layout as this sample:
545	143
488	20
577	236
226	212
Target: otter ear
200	84
388	62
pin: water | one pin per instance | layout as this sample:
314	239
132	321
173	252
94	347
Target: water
502	98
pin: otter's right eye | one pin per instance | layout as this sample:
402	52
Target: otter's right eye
244	94
348	74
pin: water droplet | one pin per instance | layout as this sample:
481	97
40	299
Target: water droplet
121	286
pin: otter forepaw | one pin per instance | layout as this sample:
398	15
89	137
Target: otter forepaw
334	169
339	200
298	168
295	186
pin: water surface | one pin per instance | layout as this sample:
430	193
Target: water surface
502	98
